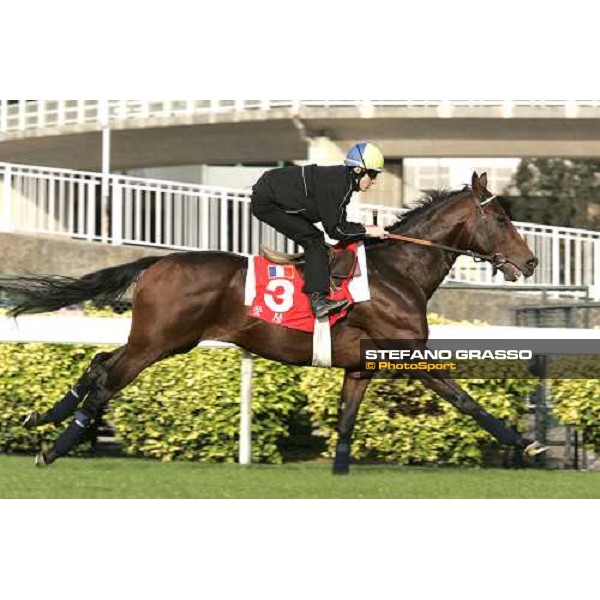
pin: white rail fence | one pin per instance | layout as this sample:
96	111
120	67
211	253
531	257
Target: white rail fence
23	115
62	202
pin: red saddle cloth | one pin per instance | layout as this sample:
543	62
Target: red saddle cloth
280	300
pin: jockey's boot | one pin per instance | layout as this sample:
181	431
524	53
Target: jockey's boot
321	306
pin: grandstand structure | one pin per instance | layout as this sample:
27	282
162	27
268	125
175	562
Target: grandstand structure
416	136
55	181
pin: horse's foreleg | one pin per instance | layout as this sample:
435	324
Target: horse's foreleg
506	435
353	391
68	404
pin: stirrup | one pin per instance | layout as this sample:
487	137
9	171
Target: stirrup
338	307
326	307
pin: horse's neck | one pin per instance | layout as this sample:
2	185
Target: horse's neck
427	267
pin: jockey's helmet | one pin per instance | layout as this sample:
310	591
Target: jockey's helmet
366	156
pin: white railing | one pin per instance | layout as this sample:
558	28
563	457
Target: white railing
568	256
45	200
23	115
167	214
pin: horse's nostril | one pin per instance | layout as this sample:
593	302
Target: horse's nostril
532	263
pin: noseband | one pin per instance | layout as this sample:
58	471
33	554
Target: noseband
497	260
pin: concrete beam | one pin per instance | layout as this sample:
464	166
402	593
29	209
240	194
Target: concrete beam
258	137
219	143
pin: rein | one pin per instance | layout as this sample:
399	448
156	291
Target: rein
496	259
427	243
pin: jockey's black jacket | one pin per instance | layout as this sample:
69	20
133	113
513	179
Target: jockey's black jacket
315	193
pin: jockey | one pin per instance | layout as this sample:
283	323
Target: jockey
291	199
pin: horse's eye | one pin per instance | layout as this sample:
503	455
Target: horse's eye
502	219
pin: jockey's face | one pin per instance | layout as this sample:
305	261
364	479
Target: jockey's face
366	181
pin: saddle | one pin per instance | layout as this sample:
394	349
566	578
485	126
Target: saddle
343	263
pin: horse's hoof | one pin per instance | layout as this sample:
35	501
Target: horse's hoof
41	460
342	469
31	420
534	449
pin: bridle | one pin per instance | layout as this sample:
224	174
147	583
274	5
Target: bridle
497	260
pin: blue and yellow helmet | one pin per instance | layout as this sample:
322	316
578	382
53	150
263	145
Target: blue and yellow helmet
366	156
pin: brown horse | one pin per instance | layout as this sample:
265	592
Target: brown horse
184	298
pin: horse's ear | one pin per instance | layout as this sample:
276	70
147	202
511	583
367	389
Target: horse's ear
483	181
475	185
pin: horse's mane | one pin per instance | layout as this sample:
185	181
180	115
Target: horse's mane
431	200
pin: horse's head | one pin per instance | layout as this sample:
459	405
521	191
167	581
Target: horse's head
490	231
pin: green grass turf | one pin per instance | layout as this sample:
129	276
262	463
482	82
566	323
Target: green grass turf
134	478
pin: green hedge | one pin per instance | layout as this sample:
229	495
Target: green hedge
187	408
577	402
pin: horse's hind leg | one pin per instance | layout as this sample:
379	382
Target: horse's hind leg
111	376
68	404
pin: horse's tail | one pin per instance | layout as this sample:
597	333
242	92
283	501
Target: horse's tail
38	293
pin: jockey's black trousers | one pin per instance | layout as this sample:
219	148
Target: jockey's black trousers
303	232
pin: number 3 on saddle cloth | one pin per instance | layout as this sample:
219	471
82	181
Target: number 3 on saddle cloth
274	291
